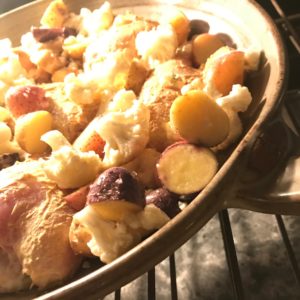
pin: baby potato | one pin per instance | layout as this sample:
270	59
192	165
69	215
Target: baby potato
180	24
29	129
198	119
204	45
225	68
185	168
25	99
116	193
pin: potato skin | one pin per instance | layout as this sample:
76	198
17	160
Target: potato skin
7	160
198	119
25	99
204	45
165	200
185	168
116	183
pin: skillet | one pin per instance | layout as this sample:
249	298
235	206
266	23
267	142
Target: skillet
240	182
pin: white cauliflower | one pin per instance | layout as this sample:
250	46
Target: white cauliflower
252	59
112	239
5	45
68	167
101	79
124	128
157	46
11	71
237	100
80	89
112	73
93	22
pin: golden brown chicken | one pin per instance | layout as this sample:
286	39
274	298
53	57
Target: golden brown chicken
34	228
159	92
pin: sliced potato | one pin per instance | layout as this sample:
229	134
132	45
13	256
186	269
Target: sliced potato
204	45
225	68
198	119
185	168
115	210
116	193
180	24
29	129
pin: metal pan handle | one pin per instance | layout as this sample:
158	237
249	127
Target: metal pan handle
270	181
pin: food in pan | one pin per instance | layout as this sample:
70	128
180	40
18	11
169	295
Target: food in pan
106	122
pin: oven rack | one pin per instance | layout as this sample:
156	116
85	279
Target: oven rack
286	15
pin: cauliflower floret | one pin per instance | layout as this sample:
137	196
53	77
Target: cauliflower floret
157	46
11	71
96	21
122	101
252	59
124	128
111	239
80	89
6	143
238	99
210	88
101	79
5	46
110	69
68	167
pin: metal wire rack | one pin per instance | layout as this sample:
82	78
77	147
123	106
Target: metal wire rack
279	276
